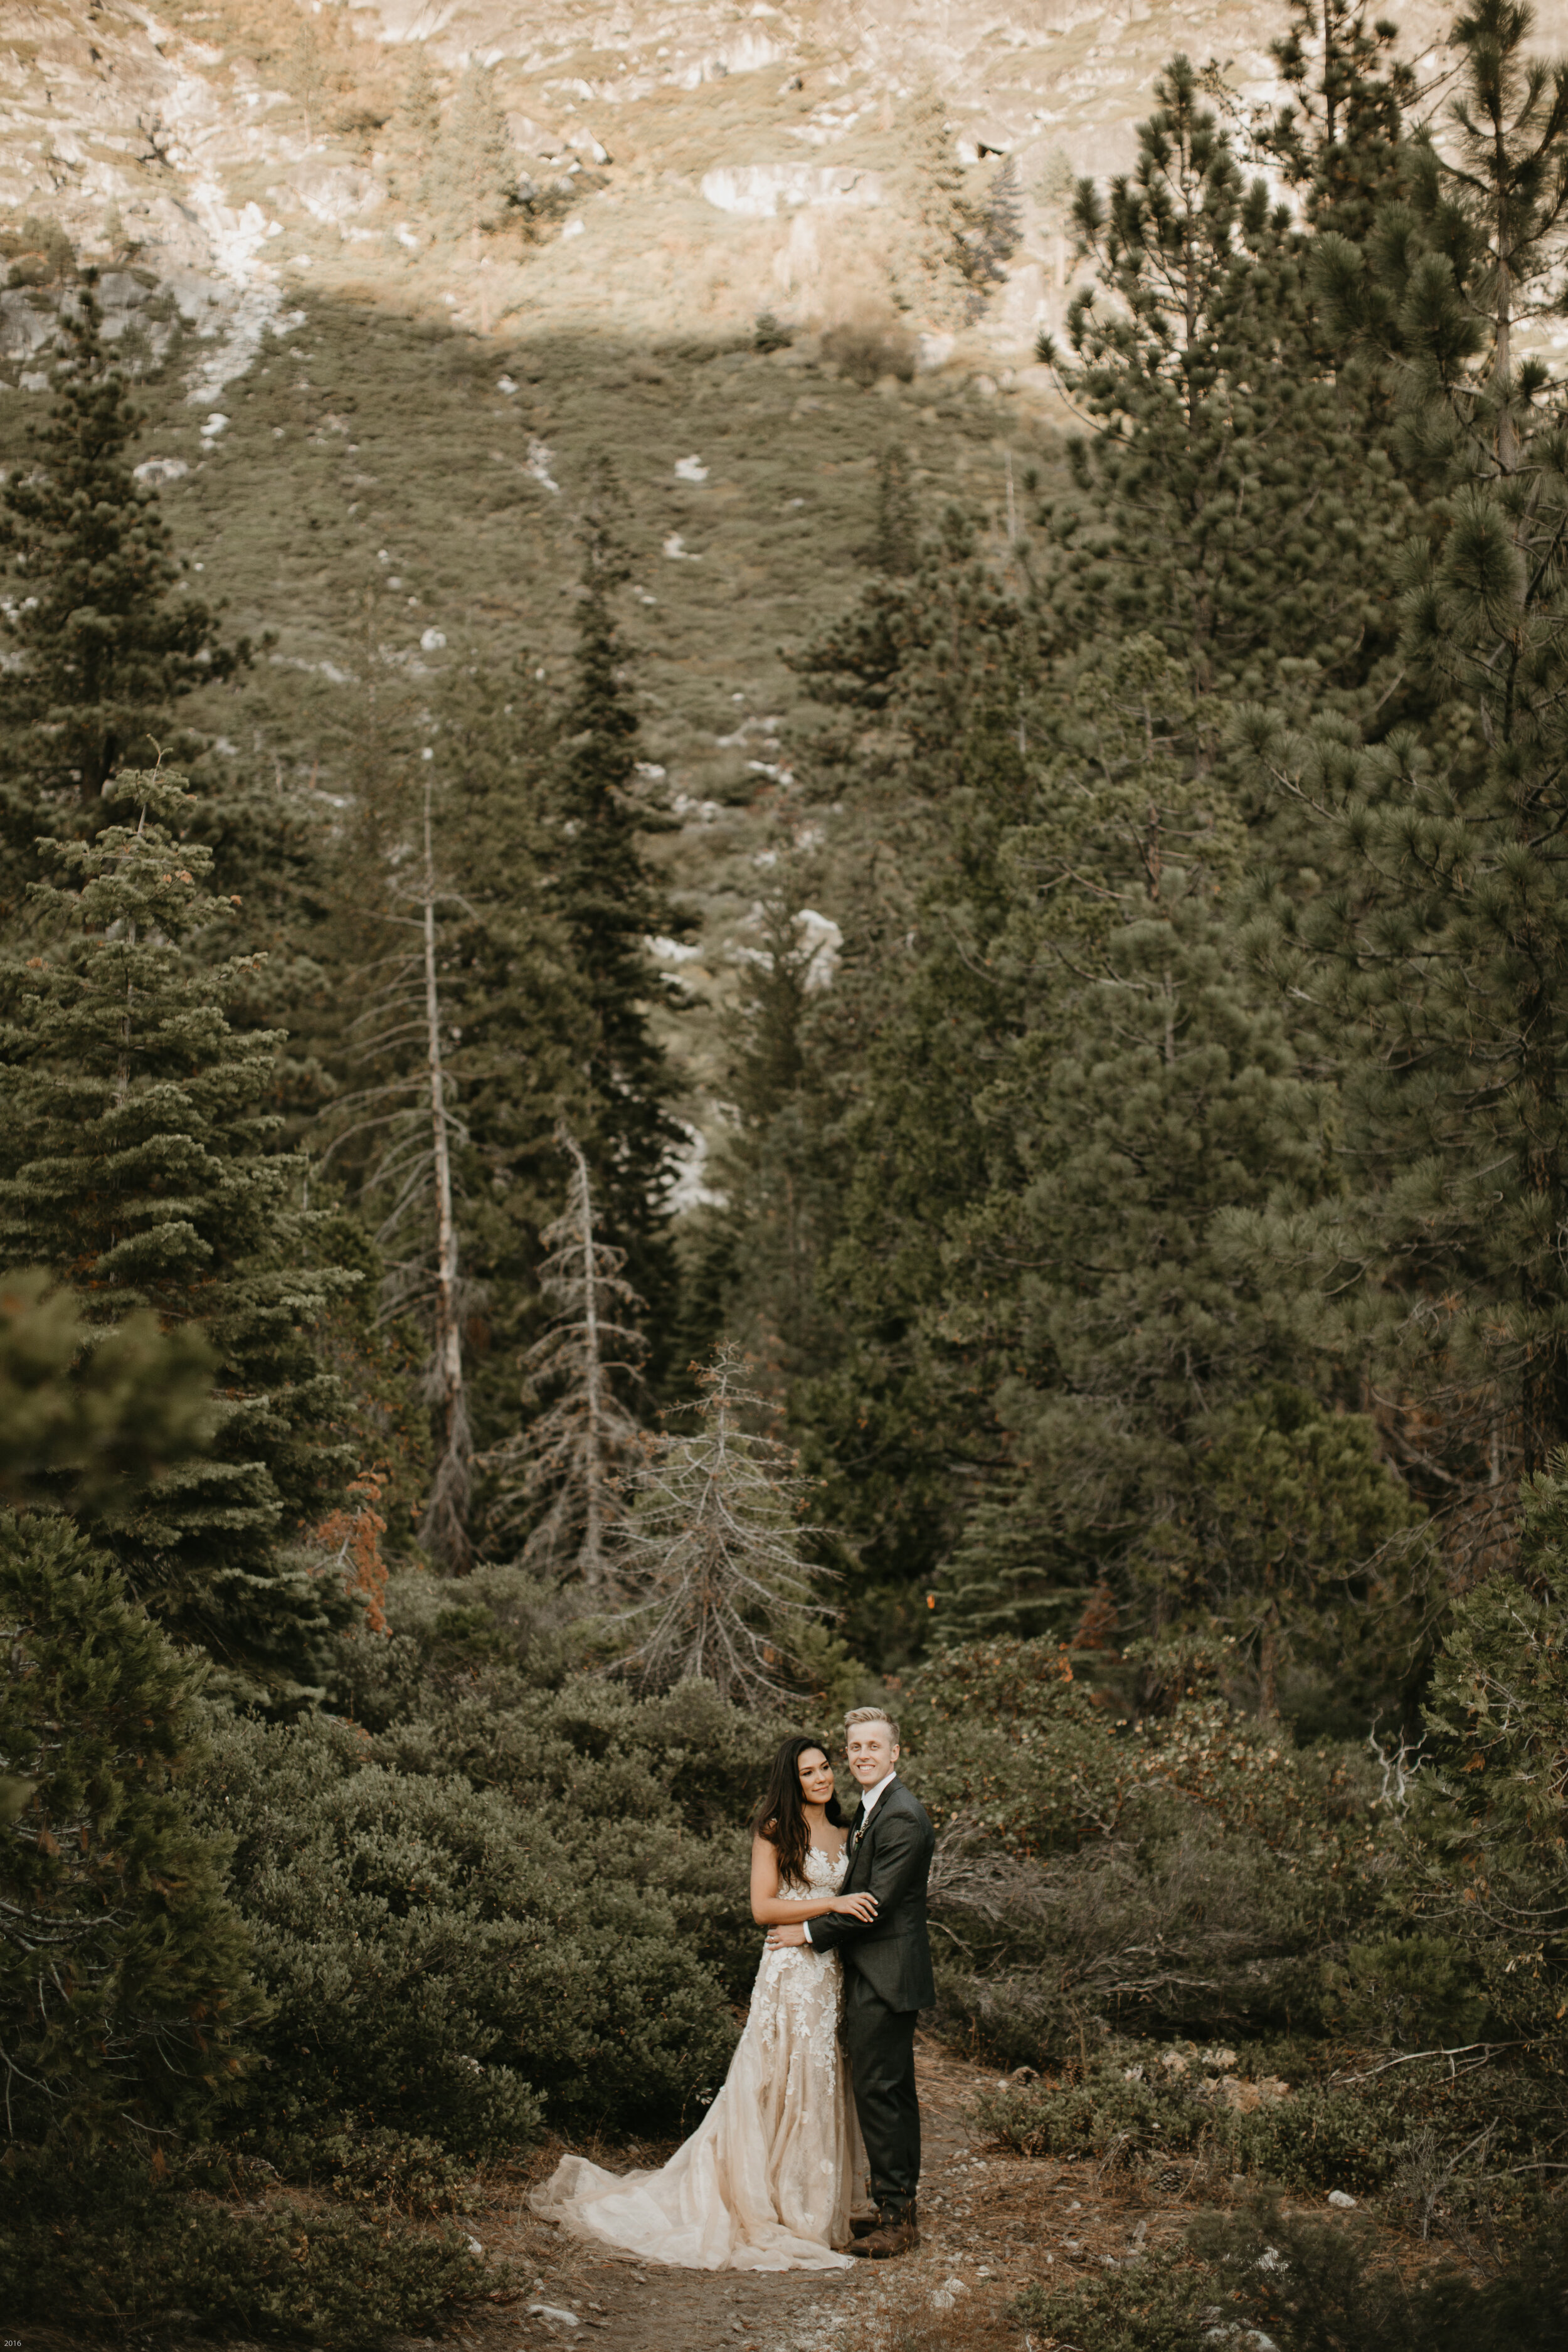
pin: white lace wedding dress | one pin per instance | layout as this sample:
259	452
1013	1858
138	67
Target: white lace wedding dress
767	2180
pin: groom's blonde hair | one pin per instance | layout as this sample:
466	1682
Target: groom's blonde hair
870	1714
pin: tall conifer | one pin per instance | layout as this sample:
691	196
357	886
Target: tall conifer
610	904
1438	960
135	1166
1221	513
102	649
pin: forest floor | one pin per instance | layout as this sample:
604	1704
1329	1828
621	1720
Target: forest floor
991	2224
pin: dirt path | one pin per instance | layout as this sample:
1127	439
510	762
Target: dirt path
991	2223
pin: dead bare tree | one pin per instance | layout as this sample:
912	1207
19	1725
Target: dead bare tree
415	1121
714	1545
571	1457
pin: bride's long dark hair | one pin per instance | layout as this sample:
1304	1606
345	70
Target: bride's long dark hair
781	1816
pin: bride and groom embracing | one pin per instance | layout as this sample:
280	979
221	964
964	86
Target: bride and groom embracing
770	2178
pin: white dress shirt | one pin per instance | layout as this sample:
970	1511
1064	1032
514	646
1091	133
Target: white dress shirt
867	1803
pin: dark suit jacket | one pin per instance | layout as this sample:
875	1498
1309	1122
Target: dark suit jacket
891	1861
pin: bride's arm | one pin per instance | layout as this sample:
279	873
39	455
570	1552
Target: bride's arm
771	1909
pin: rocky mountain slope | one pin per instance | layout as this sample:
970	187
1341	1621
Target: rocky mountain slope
368	434
705	161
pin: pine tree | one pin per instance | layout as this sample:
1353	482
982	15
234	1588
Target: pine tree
420	123
942	670
472	178
895	546
1311	1552
1339	136
134	1166
994	227
1435	957
307	77
1056	192
446	1515
101	650
1145	1097
713	1550
509	972
571	1458
90	1418
1237	498
122	1974
775	1165
512	1031
1485	1842
928	269
609	905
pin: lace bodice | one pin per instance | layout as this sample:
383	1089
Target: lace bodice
824	1875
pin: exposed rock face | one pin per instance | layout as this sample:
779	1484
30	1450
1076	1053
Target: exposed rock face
696	163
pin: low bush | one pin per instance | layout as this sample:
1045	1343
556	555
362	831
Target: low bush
104	2248
1151	2306
1323	2139
1184	1873
1137	2102
1308	2285
1436	2141
397	2171
124	1996
438	1955
870	349
524	1894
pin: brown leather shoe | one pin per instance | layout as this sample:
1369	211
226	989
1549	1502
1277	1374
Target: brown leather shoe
862	2224
889	2239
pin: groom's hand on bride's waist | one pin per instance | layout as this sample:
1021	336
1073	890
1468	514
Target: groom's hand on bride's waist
779	1938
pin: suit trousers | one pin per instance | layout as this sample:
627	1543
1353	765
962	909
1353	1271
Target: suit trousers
881	2046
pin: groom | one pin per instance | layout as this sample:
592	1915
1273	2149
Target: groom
887	1972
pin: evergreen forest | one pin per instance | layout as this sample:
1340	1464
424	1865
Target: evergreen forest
1092	1275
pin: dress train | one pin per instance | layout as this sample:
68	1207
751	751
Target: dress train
767	2180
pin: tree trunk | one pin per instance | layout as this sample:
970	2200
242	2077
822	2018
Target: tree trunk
445	1525
594	1468
1268	1657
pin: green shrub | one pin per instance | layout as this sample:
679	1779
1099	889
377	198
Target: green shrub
1315	2286
1186	1874
437	1954
1150	2306
1323	2139
104	2248
1307	2285
867	351
1409	2125
527	1893
1179	1926
123	1983
399	2170
1485	1826
1138	2102
1408	1991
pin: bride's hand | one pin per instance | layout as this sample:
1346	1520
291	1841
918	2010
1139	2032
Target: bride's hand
858	1906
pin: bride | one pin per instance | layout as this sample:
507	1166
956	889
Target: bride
767	2180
